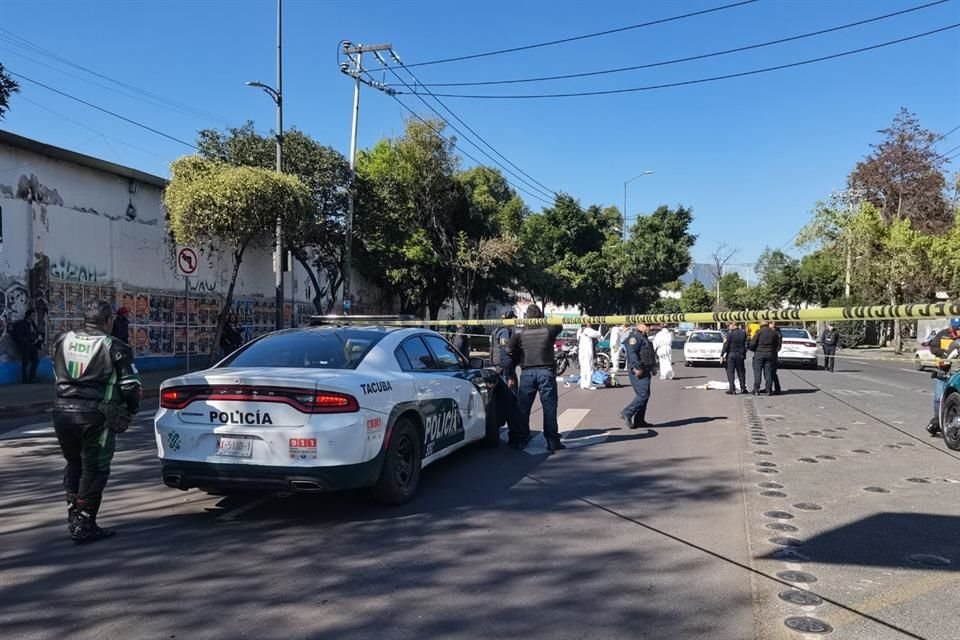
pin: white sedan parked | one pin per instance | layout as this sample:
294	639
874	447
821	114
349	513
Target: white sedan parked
799	347
703	346
923	358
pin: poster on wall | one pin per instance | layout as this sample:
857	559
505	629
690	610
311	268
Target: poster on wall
130	302
143	307
167	344
141	340
56	303
73	295
166	309
180	340
192	340
192	308
156	341
180	310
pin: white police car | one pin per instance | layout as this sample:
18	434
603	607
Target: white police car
325	408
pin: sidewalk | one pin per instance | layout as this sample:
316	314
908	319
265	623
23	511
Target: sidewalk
19	400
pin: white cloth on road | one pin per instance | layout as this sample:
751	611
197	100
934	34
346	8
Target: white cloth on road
585	352
663	346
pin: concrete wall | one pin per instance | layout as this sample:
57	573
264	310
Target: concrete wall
73	234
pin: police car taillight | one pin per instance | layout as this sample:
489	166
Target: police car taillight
174	398
328	402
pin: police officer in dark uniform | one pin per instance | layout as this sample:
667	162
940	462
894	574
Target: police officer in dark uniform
734	354
97	394
830	340
641	362
498	352
532	347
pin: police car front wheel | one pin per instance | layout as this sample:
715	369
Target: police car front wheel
400	474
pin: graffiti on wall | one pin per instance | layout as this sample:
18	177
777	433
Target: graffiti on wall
202	286
65	269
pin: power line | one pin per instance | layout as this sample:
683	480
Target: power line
545	189
464	136
127	94
582	37
107	111
941	137
432	128
699	80
17	40
943	156
686	59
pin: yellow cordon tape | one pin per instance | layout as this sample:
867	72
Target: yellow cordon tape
881	312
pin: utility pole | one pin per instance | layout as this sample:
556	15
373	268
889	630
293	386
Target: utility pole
624	230
279	256
355	54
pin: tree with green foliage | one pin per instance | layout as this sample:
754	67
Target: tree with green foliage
778	273
695	298
316	241
8	87
229	206
733	290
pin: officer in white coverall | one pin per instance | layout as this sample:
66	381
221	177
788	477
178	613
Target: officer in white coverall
586	335
663	346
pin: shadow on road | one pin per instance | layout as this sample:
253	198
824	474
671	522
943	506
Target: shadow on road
685	422
888	540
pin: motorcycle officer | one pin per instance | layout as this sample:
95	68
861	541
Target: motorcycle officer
945	347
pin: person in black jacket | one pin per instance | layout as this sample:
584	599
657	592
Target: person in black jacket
734	355
121	325
765	346
29	341
532	347
775	361
498	352
641	363
830	340
98	392
461	341
231	339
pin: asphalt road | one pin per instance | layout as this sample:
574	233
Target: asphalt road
666	534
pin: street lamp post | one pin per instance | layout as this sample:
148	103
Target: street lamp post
645	173
277	96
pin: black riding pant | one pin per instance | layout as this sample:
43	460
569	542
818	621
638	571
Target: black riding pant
88	449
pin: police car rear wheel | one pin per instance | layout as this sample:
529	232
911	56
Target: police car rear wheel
951	421
401	467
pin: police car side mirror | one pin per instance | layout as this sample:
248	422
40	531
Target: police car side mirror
477	363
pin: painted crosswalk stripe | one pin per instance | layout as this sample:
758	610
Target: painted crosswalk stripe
570	418
567	422
36	430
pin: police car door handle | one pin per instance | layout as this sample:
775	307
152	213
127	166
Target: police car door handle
424	389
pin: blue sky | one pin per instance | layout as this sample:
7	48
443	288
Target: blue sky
750	155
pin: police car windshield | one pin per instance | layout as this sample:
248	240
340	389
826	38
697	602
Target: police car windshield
310	349
706	336
795	333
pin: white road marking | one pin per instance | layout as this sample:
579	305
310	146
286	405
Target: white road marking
36	430
570	418
567	422
233	514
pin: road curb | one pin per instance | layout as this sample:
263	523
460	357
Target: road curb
33	408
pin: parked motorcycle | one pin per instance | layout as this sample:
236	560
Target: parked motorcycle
564	357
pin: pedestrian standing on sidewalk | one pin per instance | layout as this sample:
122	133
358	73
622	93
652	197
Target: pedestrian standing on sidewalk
532	347
830	340
29	342
641	363
498	352
121	325
98	392
230	339
734	355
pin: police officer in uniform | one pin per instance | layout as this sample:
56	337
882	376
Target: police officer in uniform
498	352
830	340
641	363
945	347
734	355
532	347
97	393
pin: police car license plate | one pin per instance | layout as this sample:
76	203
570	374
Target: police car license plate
234	447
